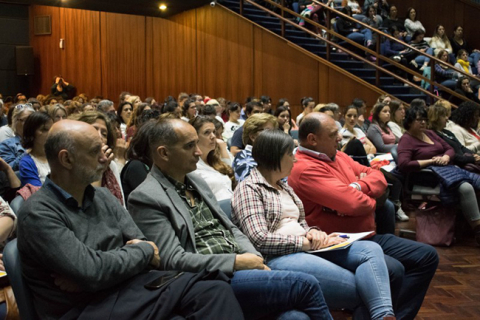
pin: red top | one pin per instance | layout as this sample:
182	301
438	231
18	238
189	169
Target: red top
330	202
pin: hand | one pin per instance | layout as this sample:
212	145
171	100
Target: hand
354	30
120	148
477	158
442	161
334	239
65	283
286	127
108	153
248	261
155	262
317	238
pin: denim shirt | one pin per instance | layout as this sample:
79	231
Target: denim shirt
11	150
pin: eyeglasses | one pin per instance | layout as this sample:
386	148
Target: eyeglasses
23	106
421	120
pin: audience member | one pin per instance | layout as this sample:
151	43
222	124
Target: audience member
20	98
120	143
394	21
61	88
379	133
189	109
412	24
95	268
284	119
56	111
440	40
125	112
110	177
3	116
214	168
361	106
340	195
179	213
458	42
437	122
397	115
9	181
464	88
271	215
215	110
444	73
6	132
106	106
255	124
420	148
11	149
267	104
252	107
133	124
348	28
33	166
234	122
307	105
463	64
465	121
350	132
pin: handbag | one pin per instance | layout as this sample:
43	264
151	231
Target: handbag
435	224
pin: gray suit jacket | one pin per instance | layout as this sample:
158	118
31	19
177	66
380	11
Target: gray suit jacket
162	216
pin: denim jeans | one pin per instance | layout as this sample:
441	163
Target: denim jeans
350	277
411	266
267	293
361	37
421	59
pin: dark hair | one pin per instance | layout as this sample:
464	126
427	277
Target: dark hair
147	115
394	106
417	33
139	148
10	115
459	82
308	125
358	103
123	95
34	121
233	106
283	109
269	148
18	95
465	114
376	116
412	114
170	105
120	109
350	107
418	103
265	99
392	30
104	105
347	10
306	101
281	102
209	109
460	52
186	105
251	105
408	14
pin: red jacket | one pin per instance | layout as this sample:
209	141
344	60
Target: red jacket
324	186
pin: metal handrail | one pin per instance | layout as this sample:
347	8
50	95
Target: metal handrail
375	53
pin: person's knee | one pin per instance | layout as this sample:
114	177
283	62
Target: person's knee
371	250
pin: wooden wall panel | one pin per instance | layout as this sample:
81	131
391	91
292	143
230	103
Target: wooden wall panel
123	54
224	54
46	49
81	56
286	73
174	66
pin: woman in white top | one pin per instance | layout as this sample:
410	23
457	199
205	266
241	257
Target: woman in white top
411	22
214	166
34	166
349	131
397	110
440	41
234	122
465	119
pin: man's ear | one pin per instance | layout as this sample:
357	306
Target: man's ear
312	139
162	153
66	159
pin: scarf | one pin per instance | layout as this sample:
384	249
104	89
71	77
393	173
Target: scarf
465	65
110	182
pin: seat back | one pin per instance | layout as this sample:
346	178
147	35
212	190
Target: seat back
226	206
23	295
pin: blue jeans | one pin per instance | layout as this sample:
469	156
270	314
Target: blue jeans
411	266
361	37
268	293
350	277
421	59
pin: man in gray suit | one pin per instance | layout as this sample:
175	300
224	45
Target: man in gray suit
177	210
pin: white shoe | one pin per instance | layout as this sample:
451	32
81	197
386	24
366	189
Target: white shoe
401	215
414	63
397	58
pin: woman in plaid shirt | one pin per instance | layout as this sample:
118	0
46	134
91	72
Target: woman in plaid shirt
270	214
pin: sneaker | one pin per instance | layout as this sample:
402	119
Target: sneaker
401	215
414	63
397	58
306	13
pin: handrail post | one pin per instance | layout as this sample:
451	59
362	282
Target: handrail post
432	75
241	7
283	21
377	49
328	26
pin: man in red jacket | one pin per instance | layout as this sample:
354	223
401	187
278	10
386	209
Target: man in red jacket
340	195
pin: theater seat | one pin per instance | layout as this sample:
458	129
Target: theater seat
22	292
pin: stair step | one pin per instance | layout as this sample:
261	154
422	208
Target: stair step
396	89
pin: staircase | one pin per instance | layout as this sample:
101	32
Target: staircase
358	68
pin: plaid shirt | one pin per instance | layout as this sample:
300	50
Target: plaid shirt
211	237
257	211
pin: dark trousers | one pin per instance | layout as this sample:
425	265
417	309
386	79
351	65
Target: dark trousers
189	297
411	267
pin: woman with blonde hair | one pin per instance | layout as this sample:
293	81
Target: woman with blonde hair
57	112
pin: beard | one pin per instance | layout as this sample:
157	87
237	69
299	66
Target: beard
87	175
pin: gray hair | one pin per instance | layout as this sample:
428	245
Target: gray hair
56	142
163	134
104	105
